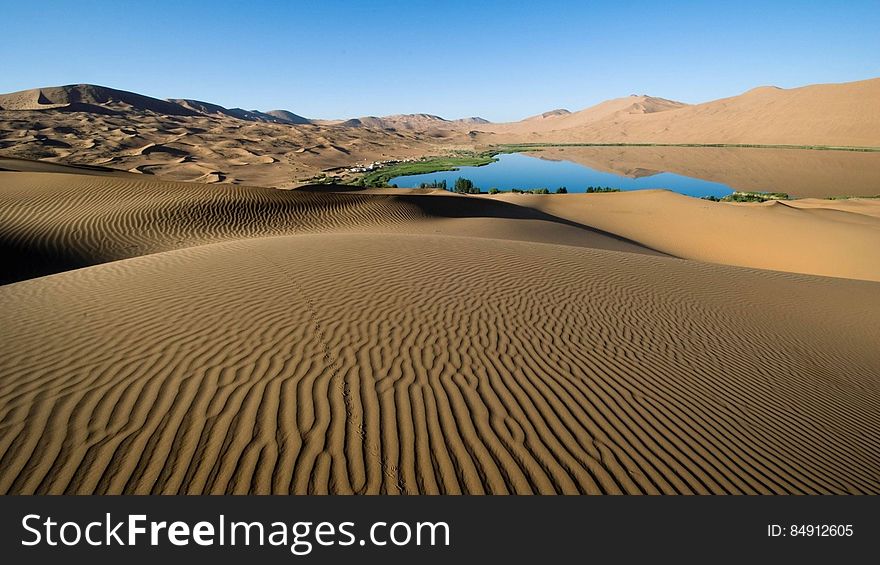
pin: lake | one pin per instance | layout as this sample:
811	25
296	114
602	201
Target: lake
694	171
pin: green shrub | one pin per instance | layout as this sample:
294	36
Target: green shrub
592	189
463	185
744	196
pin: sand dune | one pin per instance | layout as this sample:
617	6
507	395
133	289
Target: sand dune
846	114
187	148
357	364
88	97
190	140
56	222
418	122
821	237
562	119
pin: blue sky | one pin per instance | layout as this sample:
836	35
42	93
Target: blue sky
499	60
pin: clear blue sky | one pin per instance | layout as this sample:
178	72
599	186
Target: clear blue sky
500	60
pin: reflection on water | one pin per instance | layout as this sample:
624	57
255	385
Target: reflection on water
695	171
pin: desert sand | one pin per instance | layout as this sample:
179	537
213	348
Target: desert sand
170	337
837	238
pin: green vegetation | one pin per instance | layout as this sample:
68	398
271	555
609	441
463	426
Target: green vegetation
530	191
380	176
745	196
561	190
465	186
494	190
850	197
434	184
592	189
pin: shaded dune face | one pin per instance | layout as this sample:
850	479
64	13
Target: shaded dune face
56	222
358	364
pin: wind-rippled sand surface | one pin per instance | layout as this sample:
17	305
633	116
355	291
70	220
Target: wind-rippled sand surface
370	343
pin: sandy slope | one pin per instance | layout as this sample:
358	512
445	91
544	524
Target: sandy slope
839	238
616	108
232	339
405	364
824	114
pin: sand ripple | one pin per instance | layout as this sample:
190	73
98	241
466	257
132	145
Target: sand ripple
357	364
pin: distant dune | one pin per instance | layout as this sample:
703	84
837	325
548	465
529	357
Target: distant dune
562	119
417	122
235	339
213	145
845	114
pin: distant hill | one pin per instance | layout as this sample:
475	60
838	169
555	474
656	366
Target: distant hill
415	122
274	116
83	97
472	120
103	100
288	117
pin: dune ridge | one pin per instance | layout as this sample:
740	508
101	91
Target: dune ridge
839	238
51	222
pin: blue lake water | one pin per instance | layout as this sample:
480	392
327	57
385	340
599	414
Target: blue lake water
515	170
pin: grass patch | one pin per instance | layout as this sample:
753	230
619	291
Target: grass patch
382	175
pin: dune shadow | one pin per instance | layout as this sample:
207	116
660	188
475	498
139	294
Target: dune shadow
442	206
25	261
